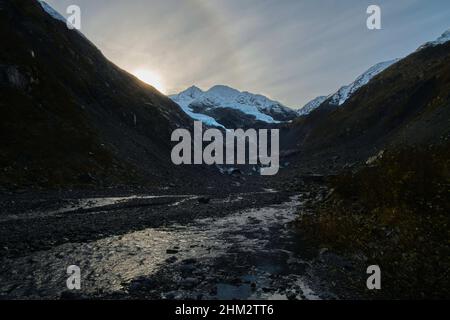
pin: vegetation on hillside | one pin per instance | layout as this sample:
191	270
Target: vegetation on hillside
396	214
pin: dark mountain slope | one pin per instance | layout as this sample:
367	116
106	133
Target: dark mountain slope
70	116
407	104
390	207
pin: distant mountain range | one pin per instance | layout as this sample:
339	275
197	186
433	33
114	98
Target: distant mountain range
222	106
344	93
225	107
396	104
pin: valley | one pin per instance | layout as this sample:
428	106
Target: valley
88	178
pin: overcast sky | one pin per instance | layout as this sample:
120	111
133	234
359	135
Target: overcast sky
289	50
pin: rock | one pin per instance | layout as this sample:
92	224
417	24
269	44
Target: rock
375	158
203	200
187	268
189	283
171	259
235	172
171	251
291	295
189	261
13	77
86	178
71	295
59	255
170	295
213	291
360	256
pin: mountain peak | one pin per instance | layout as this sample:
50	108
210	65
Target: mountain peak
52	12
245	104
222	91
190	94
311	105
194	88
443	38
345	92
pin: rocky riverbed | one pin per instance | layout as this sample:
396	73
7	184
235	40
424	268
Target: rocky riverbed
186	246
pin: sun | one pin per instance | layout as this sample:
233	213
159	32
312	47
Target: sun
151	78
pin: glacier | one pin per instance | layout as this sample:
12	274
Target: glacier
185	98
221	96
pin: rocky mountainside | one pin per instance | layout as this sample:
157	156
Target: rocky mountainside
222	106
69	116
387	152
406	104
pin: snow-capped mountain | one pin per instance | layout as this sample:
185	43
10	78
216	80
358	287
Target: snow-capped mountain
222	106
52	12
185	98
346	92
312	105
57	16
445	37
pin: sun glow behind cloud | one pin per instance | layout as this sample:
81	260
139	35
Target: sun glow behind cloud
151	78
289	50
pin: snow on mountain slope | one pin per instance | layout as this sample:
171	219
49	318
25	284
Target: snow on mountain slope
225	97
346	92
220	96
312	105
52	12
185	98
57	16
445	37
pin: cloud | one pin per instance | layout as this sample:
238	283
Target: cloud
290	50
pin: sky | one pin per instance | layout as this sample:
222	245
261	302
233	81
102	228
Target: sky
289	50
